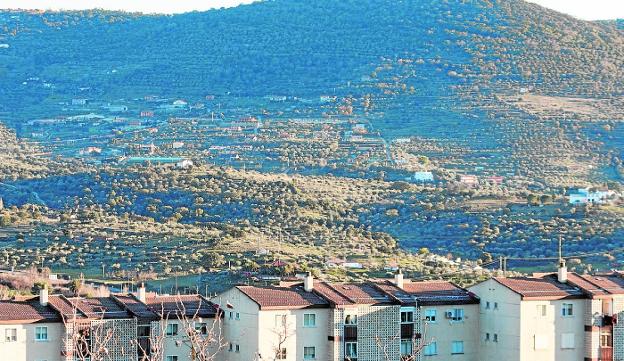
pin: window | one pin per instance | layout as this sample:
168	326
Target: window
281	354
407	317
541	342
606	340
457	347
10	334
201	327
431	349
237	348
487	336
541	310
351	320
171	358
495	339
496	305
567	310
172	329
406	347
456	314
231	315
231	348
237	315
41	333
567	340
430	316
309	353
281	320
309	320
351	349
487	305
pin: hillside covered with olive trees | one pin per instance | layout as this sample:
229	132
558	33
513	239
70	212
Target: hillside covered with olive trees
434	135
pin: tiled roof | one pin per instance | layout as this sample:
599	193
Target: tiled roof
598	285
282	297
27	311
191	305
343	294
430	293
69	309
134	306
545	287
103	307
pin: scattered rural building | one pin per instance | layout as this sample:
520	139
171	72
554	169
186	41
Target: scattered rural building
590	196
423	177
91	151
469	180
184	164
497	179
79	101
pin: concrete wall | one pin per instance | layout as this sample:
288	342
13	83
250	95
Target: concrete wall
523	332
259	333
26	348
502	321
552	328
445	331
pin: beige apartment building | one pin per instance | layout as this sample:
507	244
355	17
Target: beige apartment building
547	317
552	317
117	328
351	321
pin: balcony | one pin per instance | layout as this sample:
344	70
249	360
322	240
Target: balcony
143	347
407	330
606	354
350	333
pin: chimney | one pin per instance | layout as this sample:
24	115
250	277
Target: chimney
308	282
43	296
562	271
141	293
398	279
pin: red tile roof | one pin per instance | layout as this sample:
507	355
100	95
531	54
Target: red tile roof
191	305
598	285
26	311
546	287
344	294
283	297
430	293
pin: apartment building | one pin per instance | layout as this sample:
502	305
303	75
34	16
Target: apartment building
116	328
386	320
528	319
446	317
556	316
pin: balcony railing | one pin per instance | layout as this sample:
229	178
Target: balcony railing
407	330
350	333
606	354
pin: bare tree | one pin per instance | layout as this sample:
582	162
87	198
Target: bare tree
205	342
154	348
86	338
283	333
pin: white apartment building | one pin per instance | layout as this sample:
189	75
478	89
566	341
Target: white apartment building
351	321
552	317
547	317
121	327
